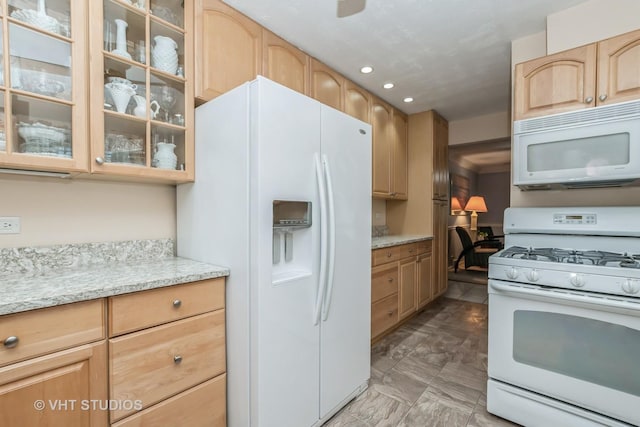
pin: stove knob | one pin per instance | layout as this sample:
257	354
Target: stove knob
533	275
631	286
512	273
577	280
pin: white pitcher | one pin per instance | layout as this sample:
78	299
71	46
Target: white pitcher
164	55
165	158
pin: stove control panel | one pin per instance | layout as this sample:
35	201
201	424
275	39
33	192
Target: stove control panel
575	219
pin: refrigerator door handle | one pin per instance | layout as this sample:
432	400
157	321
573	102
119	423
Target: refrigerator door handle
322	190
332	238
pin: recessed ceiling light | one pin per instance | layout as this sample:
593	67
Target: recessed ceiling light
366	69
408	99
388	85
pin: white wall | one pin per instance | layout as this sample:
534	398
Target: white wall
579	25
590	22
481	128
56	211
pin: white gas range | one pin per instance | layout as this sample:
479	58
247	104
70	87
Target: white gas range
564	317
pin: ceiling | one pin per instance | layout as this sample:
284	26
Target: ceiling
449	55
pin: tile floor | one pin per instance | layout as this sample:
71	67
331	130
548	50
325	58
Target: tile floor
432	370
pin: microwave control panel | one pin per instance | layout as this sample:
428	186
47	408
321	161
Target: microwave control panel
575	219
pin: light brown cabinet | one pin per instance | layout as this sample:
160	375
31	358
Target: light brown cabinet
142	80
228	46
54	357
440	139
284	63
389	151
163	344
43	96
327	86
596	74
357	102
425	278
440	246
407	296
400	281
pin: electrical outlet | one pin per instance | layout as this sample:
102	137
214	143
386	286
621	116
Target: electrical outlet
9	225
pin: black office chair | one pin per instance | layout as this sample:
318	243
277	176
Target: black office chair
473	257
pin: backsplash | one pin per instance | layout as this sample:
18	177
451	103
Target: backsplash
46	258
379	230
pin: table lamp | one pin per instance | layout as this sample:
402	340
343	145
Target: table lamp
475	204
456	207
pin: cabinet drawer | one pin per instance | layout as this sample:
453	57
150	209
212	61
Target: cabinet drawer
385	255
384	314
201	406
384	281
131	312
423	247
51	329
156	363
408	250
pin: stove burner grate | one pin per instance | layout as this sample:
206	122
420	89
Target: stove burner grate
571	256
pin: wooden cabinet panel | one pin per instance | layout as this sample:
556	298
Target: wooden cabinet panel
425	279
423	247
407	295
384	281
156	363
440	246
393	253
71	376
284	63
555	83
440	157
384	315
228	49
201	406
327	86
140	310
400	156
357	102
381	122
51	329
619	68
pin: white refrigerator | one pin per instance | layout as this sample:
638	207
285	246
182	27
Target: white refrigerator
282	196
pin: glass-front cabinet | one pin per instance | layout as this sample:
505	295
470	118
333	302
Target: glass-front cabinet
142	88
43	89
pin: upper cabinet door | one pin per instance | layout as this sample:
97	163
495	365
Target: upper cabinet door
381	122
327	86
43	93
284	63
228	49
619	68
556	83
400	156
357	102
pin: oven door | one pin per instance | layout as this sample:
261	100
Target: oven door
580	348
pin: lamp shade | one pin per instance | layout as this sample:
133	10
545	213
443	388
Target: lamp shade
477	204
455	204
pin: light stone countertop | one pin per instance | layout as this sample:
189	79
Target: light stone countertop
39	289
399	239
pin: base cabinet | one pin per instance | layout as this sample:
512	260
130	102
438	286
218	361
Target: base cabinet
175	343
56	390
401	284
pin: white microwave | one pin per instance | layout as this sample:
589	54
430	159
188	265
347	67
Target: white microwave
594	147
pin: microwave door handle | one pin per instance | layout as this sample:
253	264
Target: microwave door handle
570	298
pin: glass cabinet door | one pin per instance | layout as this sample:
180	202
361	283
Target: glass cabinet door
43	97
145	101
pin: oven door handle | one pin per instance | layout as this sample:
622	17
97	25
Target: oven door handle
572	298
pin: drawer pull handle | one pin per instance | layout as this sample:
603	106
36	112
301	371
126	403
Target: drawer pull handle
410	251
177	303
388	254
11	342
390	312
177	359
390	279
